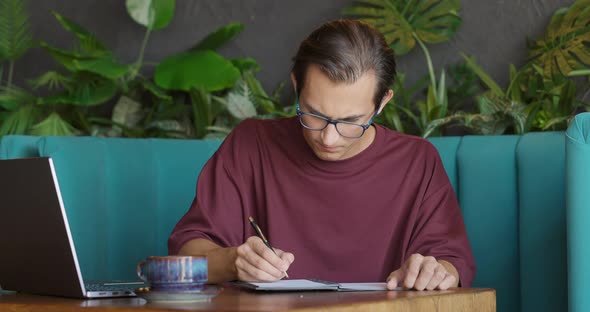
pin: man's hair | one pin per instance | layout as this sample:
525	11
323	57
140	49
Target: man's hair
345	50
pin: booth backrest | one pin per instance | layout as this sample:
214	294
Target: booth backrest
578	211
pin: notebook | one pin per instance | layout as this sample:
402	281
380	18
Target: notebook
310	284
37	250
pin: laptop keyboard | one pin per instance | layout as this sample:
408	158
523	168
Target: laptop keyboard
103	287
116	286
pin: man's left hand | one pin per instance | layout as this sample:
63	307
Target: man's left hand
419	272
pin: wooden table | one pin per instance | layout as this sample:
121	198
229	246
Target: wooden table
232	299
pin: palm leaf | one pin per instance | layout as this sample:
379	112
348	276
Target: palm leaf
19	121
88	91
15	34
12	98
53	125
104	65
564	47
431	21
88	41
52	80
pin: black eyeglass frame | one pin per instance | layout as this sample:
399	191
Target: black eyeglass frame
334	122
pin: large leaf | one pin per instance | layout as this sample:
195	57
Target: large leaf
53	125
15	34
104	65
564	47
202	69
88	41
431	21
219	37
153	14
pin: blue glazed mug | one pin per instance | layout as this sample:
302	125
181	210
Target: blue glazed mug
173	272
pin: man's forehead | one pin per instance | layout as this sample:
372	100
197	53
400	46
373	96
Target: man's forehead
346	114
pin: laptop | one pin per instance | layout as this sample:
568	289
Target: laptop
37	253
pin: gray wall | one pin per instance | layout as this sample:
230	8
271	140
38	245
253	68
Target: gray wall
493	30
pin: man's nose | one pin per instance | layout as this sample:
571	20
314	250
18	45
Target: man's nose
330	135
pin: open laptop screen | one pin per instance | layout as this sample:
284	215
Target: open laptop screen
38	254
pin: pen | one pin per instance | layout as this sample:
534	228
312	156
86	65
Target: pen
259	233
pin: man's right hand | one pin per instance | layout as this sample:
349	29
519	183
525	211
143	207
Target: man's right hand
255	262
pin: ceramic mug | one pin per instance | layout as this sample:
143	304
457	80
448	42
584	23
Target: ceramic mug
173	272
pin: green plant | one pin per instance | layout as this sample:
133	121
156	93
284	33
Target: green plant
554	103
540	96
407	114
496	115
24	113
15	34
564	47
175	102
463	87
15	40
205	90
529	103
405	24
499	110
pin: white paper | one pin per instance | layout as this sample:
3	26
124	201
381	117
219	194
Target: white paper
362	286
303	284
294	284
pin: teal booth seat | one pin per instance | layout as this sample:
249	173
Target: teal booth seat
578	211
18	146
123	197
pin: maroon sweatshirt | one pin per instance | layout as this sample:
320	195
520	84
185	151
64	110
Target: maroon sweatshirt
352	220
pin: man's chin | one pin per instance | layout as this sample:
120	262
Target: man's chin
328	156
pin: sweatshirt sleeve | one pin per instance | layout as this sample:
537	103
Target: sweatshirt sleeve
216	212
440	230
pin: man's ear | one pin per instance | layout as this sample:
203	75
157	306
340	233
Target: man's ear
388	96
294	82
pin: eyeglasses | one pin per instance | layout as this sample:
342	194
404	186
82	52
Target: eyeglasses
346	129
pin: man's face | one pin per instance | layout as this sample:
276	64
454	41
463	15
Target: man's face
337	101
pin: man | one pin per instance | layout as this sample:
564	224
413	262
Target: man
340	198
